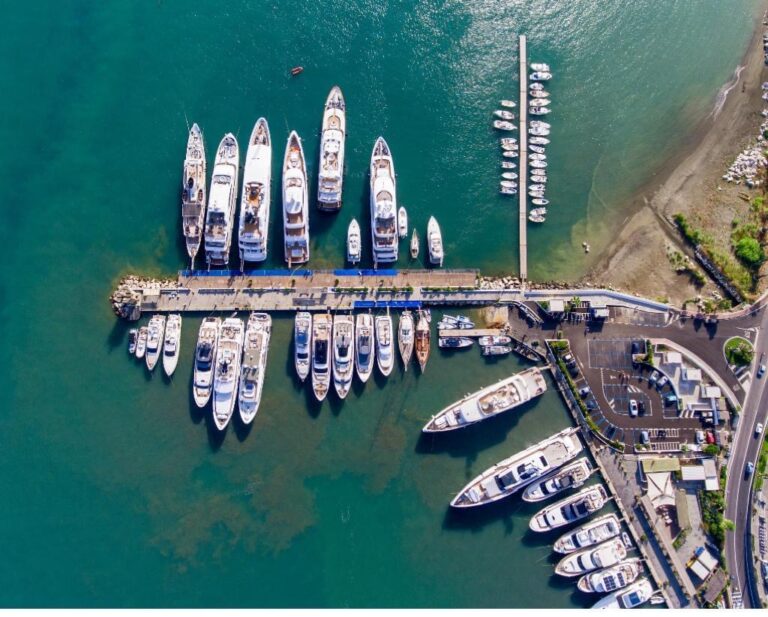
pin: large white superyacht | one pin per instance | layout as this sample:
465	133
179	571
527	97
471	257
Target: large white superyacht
172	344
205	353
227	370
383	204
515	472
331	172
253	231
295	208
221	202
343	353
491	401
254	365
193	192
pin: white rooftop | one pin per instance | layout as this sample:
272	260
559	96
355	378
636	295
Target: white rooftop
673	357
692	374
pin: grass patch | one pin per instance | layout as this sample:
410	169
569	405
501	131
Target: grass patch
762	463
739	351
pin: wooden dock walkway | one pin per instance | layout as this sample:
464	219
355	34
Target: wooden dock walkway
523	176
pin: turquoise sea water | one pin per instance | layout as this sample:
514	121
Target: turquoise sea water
115	492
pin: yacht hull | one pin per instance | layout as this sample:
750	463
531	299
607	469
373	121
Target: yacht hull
253	228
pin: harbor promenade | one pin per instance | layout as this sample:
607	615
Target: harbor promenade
523	184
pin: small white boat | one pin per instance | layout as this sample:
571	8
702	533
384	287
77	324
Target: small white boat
540	201
414	244
569	510
504	115
497	339
405	337
536	86
435	242
508	165
496	350
539	101
172	344
503	125
540	124
364	346
603	555
454	342
510	154
385	358
455	322
538	132
538	141
539	66
155	336
507	103
141	342
569	477
354	248
539	176
537	218
302	343
537	149
537	187
539	111
205	355
540	76
508	184
535	156
402	222
343	353
611	579
133	335
633	596
510	147
538	164
539	212
193	191
539	94
594	532
506	191
509	175
508	141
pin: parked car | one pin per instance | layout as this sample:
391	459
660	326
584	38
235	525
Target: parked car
761	370
632	407
758	429
710	437
584	391
662	382
749	468
569	359
700	437
645	437
654	377
637	347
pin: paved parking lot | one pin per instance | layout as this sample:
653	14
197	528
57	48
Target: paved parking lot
613	354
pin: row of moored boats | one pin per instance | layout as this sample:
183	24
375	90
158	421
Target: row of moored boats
208	214
449	337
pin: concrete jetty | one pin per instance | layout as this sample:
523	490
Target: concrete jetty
523	176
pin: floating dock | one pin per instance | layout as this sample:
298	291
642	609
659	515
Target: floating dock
523	184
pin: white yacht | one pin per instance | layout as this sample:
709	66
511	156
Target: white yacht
538	141
321	361
227	370
172	343
508	103
364	346
155	335
539	111
539	66
141	342
611	579
569	510
569	477
385	357
221	202
435	242
383	204
255	201
603	555
594	532
331	172
490	401
633	596
295	203
354	248
402	222
540	76
405	337
504	115
193	192
302	343
503	125
254	366
455	342
205	354
512	474
509	175
414	244
508	165
343	353
133	336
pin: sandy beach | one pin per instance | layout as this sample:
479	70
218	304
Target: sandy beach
689	183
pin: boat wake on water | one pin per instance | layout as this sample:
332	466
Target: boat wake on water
722	95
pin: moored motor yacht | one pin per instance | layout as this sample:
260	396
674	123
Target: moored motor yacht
539	94
302	343
205	354
509	184
507	103
405	337
506	191
193	192
603	555
402	222
422	339
172	343
539	102
343	353
594	532
569	477
537	217
364	346
141	342
459	322
634	595
504	125
569	510
385	357
331	172
321	367
539	141
504	115
155	336
496	350
539	66
222	201
254	365
508	165
455	342
434	242
540	76
510	154
133	335
383	204
539	111
494	339
611	579
354	247
509	175
229	353
295	203
536	86
414	244
253	230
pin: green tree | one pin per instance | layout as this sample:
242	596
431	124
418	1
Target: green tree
750	252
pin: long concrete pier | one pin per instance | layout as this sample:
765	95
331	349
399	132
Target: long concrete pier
523	175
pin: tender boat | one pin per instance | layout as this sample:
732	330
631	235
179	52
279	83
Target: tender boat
510	147
205	354
193	192
569	477
229	353
611	579
364	346
460	322
295	203
539	141
509	184
510	154
537	218
506	191
172	343
434	242
454	342
540	124
383	196
385	357
539	111
539	66
343	353
540	76
504	115
331	173
296	70
539	101
133	335
405	337
141	342
540	201
302	343
594	532
321	369
155	335
402	222
422	339
221	202
354	247
633	596
496	350
507	103
537	149
569	510
508	165
538	164
503	125
508	141
496	339
490	401
254	366
513	473
509	175
414	244
253	231
603	555
538	131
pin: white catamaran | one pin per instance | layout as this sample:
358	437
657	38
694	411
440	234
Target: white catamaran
255	349
331	172
254	203
383	204
193	192
295	203
221	202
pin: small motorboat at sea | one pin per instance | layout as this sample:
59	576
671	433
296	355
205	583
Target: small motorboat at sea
510	147
509	175
537	217
508	141
455	322
535	156
633	596
205	355
172	344
414	244
507	103
508	165
538	131
537	187
540	76
597	557
302	343
364	346
539	101
540	201
594	532
611	579
385	357
540	124
539	66
496	339
538	164
354	248
133	335
141	342
503	125
155	337
422	341
569	477
504	115
537	149
496	350
538	141
510	154
405	337
435	242
569	510
508	184
539	111
536	86
506	191
296	70
539	94
454	342
402	222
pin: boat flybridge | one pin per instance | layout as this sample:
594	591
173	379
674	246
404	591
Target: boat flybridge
295	203
490	401
569	510
172	343
385	357
364	346
331	172
635	595
193	192
343	353
383	187
594	532
205	353
155	337
221	202
321	360
302	343
227	371
597	557
611	579
255	201
512	474
254	365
